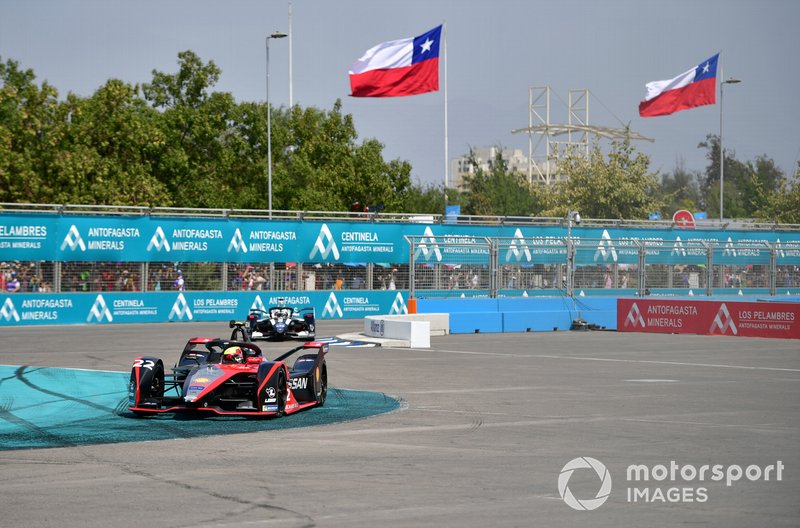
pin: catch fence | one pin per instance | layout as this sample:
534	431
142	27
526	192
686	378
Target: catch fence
462	267
511	267
72	249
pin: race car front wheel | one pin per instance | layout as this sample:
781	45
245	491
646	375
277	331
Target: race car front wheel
150	383
240	334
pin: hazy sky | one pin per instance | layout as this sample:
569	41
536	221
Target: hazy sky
496	50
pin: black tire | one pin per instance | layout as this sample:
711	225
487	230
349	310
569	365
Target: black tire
282	392
151	385
321	384
240	334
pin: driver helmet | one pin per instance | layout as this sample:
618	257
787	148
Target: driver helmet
233	354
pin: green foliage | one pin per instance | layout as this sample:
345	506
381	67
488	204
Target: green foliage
428	199
107	150
177	142
498	191
751	189
29	134
780	205
616	188
187	88
680	190
318	164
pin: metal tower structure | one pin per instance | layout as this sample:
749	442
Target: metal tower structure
544	149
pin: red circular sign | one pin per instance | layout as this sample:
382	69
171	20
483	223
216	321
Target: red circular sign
683	218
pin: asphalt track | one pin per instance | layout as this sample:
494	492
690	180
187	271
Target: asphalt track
47	407
487	423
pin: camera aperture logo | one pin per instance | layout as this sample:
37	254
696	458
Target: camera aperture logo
663	483
584	463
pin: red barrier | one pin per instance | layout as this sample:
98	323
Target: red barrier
747	319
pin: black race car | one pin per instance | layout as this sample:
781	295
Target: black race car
232	378
281	322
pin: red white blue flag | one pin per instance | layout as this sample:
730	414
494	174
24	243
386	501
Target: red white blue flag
407	66
693	88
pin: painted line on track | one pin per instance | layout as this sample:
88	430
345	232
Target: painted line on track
617	360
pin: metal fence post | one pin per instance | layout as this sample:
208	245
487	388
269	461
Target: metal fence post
272	277
709	269
370	273
570	267
494	267
57	276
299	283
642	254
144	276
411	266
773	268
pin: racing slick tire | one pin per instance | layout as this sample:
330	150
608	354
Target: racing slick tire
281	388
321	384
282	393
239	332
151	384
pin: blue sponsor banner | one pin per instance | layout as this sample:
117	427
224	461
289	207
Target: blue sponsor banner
161	307
158	239
28	237
266	241
353	242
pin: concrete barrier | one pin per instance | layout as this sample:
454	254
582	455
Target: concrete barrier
476	322
534	314
401	327
440	322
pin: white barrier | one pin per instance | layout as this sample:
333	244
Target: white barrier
417	333
440	322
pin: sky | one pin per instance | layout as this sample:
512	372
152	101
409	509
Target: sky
496	50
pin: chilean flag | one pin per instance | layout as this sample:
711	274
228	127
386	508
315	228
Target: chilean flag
696	87
399	67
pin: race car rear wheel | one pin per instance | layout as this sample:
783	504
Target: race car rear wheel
282	393
321	384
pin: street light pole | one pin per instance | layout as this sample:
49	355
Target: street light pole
721	147
291	37
275	35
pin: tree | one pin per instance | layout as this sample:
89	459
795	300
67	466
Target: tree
187	88
746	184
498	191
107	150
195	163
680	190
781	205
318	163
29	133
429	199
618	188
734	183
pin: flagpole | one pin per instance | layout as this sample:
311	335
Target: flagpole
721	148
446	155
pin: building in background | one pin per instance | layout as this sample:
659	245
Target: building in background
485	156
